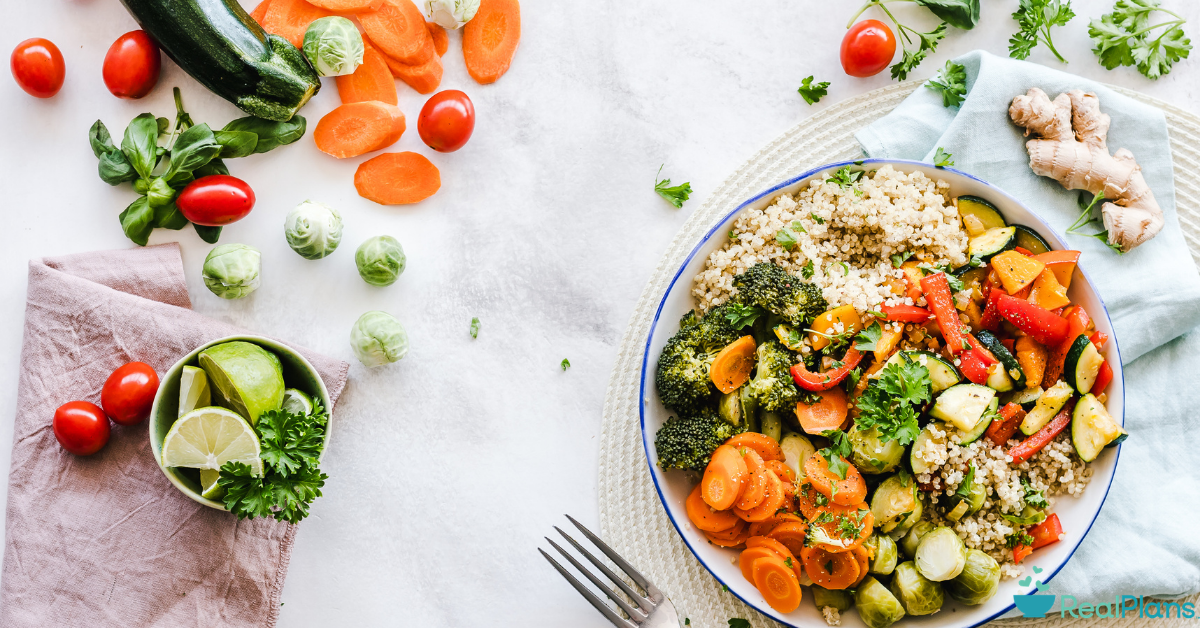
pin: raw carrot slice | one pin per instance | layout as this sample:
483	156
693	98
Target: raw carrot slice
260	12
370	81
290	19
704	517
751	554
838	523
778	583
490	40
357	128
424	78
731	368
832	571
441	41
348	6
397	179
726	539
766	446
724	478
851	490
756	488
826	414
791	534
764	527
772	500
398	29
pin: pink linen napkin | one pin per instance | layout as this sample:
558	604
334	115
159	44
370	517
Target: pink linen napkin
106	540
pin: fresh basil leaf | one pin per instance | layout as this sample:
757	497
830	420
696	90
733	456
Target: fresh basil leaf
208	234
115	169
138	221
169	217
962	14
271	134
236	143
164	128
215	166
160	193
100	140
193	148
140	144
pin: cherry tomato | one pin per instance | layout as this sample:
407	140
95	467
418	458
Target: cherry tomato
38	67
447	121
81	427
867	48
129	392
216	200
131	66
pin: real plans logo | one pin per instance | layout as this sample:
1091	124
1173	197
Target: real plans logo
1036	605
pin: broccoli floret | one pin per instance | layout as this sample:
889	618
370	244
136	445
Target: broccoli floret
772	385
683	379
688	442
772	288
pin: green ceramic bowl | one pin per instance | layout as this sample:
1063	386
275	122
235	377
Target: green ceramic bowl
297	373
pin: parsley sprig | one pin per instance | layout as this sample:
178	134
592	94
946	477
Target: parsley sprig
951	83
1126	37
845	177
1085	219
675	195
942	159
892	402
1033	497
1035	19
837	452
812	92
741	316
968	483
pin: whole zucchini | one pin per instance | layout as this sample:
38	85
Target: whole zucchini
221	46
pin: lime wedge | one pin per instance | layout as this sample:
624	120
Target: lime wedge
297	402
193	390
208	484
208	438
246	378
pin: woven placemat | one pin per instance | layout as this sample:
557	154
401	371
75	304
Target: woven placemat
631	518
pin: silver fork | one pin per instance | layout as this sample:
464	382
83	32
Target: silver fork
654	610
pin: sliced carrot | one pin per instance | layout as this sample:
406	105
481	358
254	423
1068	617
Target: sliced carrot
778	583
705	517
737	529
847	527
851	490
827	414
260	12
441	42
370	81
398	29
348	6
731	368
766	446
781	469
358	128
490	40
424	78
831	571
809	500
864	562
724	478
728	538
764	527
756	487
772	500
771	544
749	555
290	19
397	179
791	534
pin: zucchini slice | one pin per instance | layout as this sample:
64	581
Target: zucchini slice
918	464
942	374
1046	407
963	405
993	344
1093	428
992	241
1024	396
1082	364
998	378
1029	240
979	211
975	434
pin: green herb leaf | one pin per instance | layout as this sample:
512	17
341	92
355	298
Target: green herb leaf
836	453
100	140
968	482
1126	37
193	148
140	144
291	441
962	14
216	166
813	92
807	271
160	192
892	402
942	159
951	83
236	143
845	177
911	59
169	217
1034	19
786	238
566	364
675	195
1033	497
270	134
852	379
115	169
291	445
208	234
738	622
474	327
741	316
898	259
137	221
869	339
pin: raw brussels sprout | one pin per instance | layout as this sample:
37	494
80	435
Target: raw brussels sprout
941	555
909	543
232	271
918	594
837	598
872	454
895	500
978	582
877	607
333	46
378	338
380	260
886	554
313	230
451	14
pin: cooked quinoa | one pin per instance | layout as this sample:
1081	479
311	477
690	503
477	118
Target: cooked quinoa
848	234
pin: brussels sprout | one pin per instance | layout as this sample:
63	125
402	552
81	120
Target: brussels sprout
877	607
333	46
380	260
941	555
895	500
313	230
771	424
918	594
979	580
378	338
796	451
958	506
872	454
451	14
730	407
232	271
837	598
909	543
885	553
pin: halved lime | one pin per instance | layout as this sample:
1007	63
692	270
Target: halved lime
208	484
208	438
246	377
193	390
297	402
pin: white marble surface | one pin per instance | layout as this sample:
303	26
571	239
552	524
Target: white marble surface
447	468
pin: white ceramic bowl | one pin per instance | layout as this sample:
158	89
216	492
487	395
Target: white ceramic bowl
1077	513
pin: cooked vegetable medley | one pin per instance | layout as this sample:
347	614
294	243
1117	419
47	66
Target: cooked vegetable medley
908	450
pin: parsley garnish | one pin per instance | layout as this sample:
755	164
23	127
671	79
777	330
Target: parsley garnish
1085	219
1125	37
869	339
740	316
675	195
951	83
475	327
565	364
836	453
1033	497
892	402
852	378
786	238
942	159
788	562
808	270
738	622
1018	538
968	482
845	177
1035	18
898	259
817	219
812	92
733	234
905	477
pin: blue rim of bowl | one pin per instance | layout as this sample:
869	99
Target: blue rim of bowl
774	190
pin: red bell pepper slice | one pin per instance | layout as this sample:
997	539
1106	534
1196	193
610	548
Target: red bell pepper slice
1103	378
1038	322
1046	532
983	352
1030	446
1078	322
1020	552
817	382
937	294
991	316
973	366
905	313
1098	339
1008	344
999	432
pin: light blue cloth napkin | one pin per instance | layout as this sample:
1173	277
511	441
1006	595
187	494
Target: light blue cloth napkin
1146	540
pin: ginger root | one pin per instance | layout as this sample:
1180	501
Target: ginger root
1070	147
